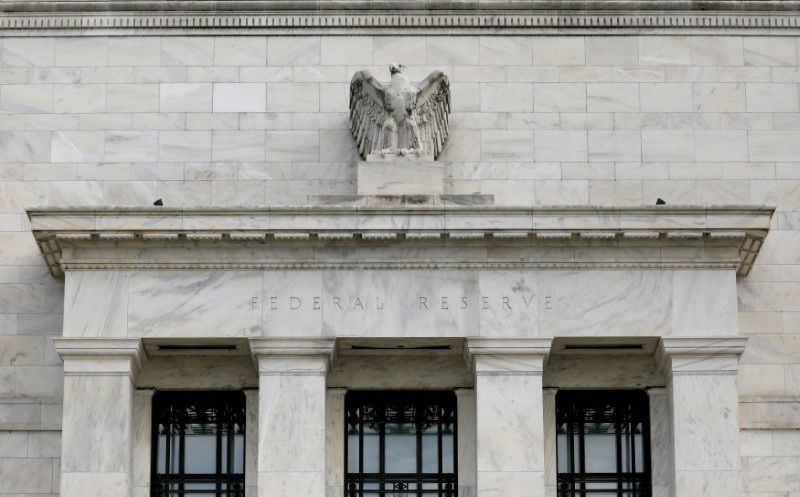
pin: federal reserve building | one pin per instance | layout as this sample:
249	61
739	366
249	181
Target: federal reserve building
399	248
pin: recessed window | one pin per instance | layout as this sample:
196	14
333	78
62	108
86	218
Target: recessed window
198	444
401	444
603	443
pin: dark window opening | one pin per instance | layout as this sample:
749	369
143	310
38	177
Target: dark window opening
400	444
198	444
603	443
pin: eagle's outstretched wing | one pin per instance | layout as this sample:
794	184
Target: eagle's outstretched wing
433	109
366	111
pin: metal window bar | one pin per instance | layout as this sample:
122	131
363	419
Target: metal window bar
410	407
625	410
172	412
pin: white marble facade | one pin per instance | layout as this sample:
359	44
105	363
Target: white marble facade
298	338
598	109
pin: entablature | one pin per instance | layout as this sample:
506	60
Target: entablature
337	17
388	237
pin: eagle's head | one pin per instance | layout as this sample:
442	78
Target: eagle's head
394	67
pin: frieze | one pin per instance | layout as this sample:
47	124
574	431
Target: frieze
59	21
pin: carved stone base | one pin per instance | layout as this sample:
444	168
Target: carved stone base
400	175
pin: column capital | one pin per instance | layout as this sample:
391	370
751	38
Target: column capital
101	356
506	355
700	355
295	355
337	391
464	391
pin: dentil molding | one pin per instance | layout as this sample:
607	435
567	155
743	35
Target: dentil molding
322	17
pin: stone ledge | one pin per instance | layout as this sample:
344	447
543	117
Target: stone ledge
718	235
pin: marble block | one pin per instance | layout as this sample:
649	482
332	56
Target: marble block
400	175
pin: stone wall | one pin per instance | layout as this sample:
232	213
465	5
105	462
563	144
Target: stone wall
536	120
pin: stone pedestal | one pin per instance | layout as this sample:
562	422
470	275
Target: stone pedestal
291	415
98	423
400	175
703	402
510	415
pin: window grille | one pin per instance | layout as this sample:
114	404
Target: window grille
603	444
400	444
198	444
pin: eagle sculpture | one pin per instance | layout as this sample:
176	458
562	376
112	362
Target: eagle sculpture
399	118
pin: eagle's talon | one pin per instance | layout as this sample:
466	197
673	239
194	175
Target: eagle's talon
394	109
410	151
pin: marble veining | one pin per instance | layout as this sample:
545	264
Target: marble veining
698	443
704	302
141	438
411	303
96	435
96	304
510	424
292	424
660	443
596	303
205	303
516	312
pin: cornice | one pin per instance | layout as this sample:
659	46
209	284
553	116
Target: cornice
336	17
304	234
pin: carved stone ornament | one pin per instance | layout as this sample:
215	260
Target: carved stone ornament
399	118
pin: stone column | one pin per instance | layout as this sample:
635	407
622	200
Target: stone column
660	444
550	463
703	401
335	442
291	415
251	443
467	477
98	422
142	441
510	421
